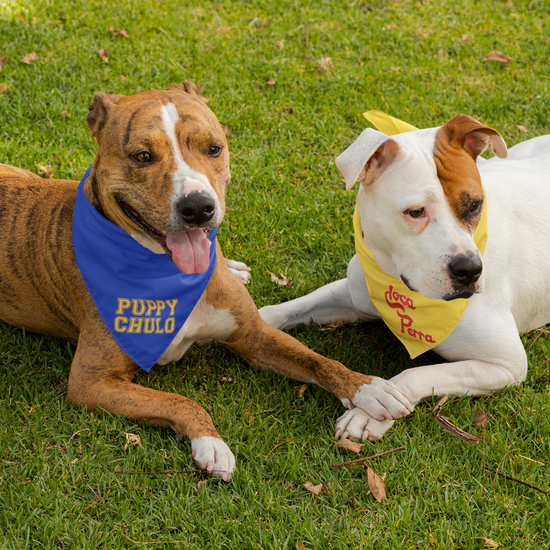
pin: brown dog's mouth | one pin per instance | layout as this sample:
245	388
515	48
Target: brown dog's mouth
156	234
189	250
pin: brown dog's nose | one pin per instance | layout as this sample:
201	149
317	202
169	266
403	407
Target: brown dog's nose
466	268
197	208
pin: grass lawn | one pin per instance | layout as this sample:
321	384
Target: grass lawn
421	61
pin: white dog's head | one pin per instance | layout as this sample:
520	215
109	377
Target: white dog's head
420	202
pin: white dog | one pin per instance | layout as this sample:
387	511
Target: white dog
421	199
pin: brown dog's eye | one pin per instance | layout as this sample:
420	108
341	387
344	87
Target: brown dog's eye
143	157
214	151
475	207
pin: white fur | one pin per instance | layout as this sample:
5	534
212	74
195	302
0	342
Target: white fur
214	456
485	350
185	179
242	271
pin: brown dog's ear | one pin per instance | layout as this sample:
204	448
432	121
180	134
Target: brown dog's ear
98	110
466	132
189	88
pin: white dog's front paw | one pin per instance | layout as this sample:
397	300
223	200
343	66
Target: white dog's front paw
381	399
212	455
357	424
238	268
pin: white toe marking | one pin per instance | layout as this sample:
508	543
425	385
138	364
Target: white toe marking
214	456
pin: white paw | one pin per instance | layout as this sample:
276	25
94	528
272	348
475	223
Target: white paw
382	400
214	456
357	424
238	268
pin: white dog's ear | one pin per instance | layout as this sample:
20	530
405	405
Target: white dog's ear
467	132
367	157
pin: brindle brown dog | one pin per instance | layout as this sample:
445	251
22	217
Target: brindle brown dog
160	174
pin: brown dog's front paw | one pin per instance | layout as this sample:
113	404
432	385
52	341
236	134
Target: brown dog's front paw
212	455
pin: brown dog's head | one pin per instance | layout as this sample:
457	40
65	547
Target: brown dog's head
161	171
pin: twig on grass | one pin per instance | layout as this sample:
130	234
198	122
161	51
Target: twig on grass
63	154
43	121
278	445
448	426
165	473
363	460
517	480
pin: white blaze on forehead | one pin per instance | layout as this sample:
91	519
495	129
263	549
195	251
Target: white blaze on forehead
184	179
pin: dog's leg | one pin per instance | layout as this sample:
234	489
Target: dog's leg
345	300
273	350
101	378
500	362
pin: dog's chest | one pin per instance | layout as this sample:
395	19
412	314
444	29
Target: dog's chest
205	321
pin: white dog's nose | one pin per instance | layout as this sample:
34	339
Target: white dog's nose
466	269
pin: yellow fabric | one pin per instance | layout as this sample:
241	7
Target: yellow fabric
420	323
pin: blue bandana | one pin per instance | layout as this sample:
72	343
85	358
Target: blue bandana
143	298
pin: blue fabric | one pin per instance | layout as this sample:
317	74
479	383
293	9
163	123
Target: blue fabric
143	298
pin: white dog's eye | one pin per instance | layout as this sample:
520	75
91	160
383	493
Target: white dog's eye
415	213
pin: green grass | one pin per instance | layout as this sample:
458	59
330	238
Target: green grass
288	212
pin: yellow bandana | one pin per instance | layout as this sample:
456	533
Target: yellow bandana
419	322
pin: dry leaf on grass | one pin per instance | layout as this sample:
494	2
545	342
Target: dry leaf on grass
303	388
480	419
4	87
45	170
199	485
21	18
3	61
281	280
104	54
30	58
116	32
350	445
489	544
300	546
523	129
313	488
497	56
325	64
66	113
227	131
132	440
376	484
270	82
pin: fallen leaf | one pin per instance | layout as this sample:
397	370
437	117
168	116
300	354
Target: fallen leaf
325	64
303	388
376	484
288	110
33	22
313	488
227	131
30	58
522	128
122	77
480	419
21	18
104	54
281	44
66	113
132	440
300	546
4	87
490	543
3	61
350	445
116	32
199	485
495	55
46	170
270	82
281	280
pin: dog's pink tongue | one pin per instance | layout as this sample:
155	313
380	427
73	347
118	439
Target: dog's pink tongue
190	250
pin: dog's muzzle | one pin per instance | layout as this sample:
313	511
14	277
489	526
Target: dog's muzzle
196	209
